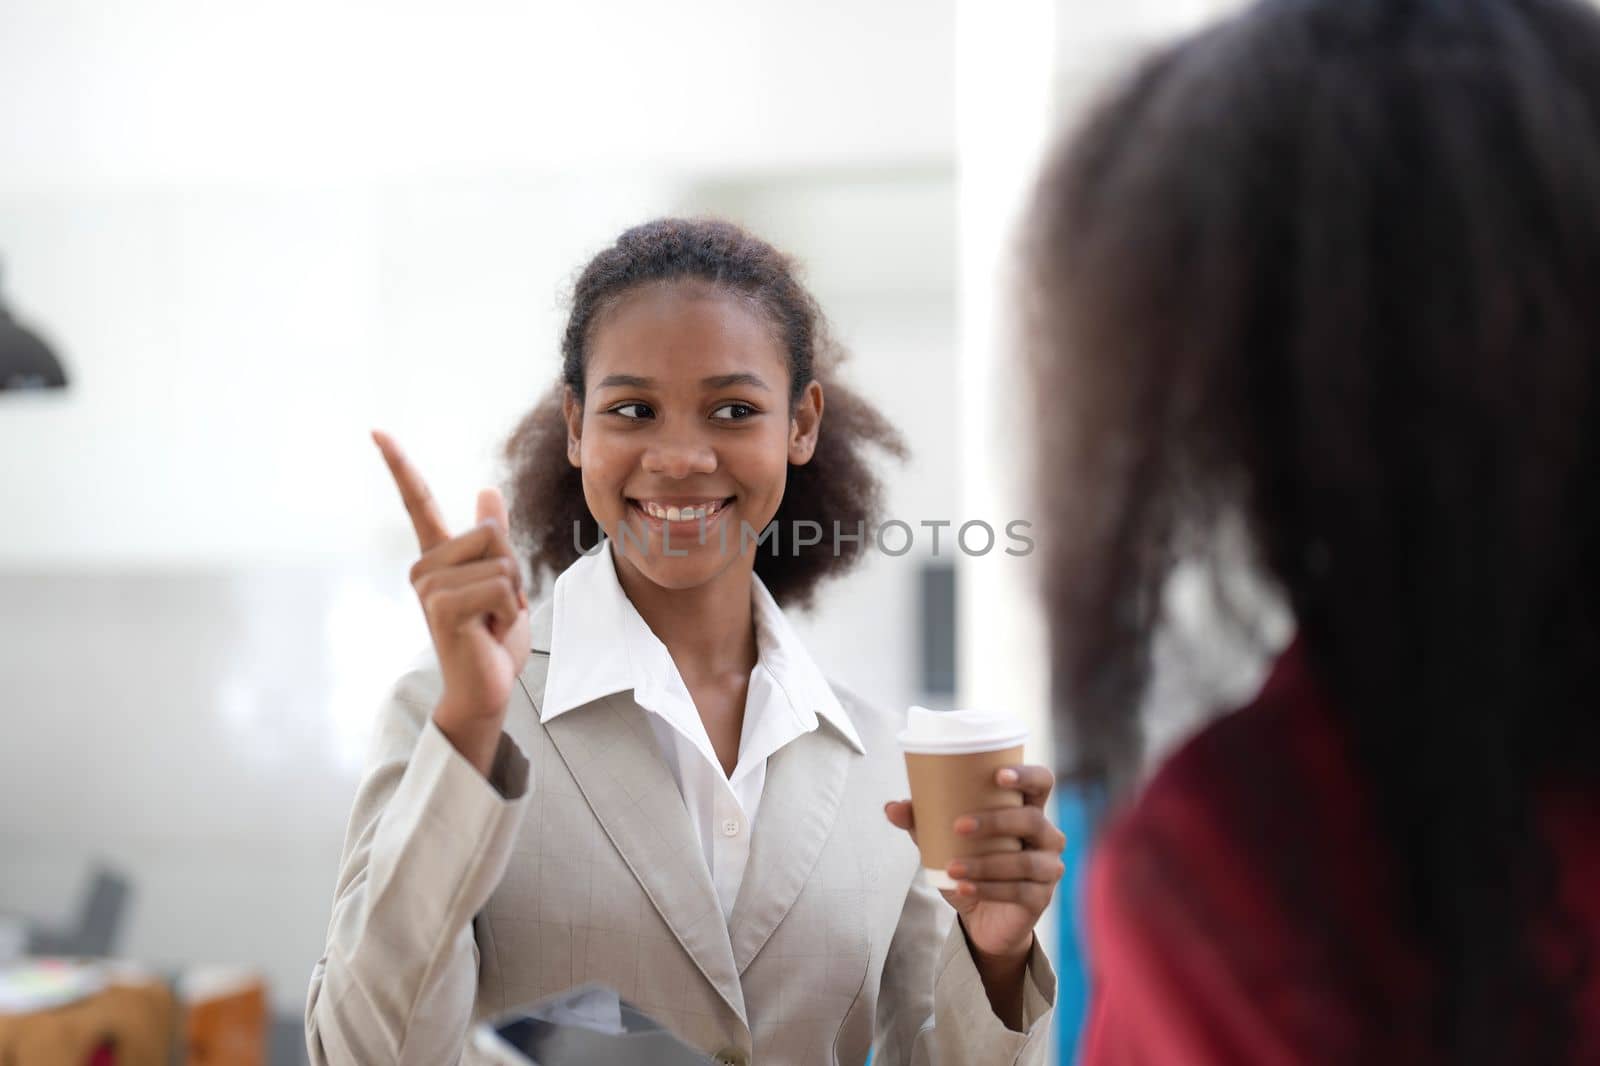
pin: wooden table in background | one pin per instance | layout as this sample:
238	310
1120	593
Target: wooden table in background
134	1020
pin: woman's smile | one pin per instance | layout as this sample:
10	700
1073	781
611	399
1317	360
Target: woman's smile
679	515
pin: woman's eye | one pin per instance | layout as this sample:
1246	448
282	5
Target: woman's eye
631	410
737	411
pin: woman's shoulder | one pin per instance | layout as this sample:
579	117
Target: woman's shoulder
875	722
419	679
403	709
1279	752
1160	849
1214	853
416	687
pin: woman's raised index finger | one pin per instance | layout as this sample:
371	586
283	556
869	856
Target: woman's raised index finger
425	517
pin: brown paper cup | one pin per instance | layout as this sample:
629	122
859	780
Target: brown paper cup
951	760
943	788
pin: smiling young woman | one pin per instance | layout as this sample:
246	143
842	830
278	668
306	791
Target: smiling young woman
643	780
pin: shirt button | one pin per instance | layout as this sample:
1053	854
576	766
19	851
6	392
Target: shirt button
730	827
730	1057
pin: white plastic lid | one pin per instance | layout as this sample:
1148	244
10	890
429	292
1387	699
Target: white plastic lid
959	732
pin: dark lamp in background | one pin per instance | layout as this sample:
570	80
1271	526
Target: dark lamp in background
26	362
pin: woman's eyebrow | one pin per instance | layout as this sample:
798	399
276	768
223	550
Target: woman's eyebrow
625	381
718	381
722	381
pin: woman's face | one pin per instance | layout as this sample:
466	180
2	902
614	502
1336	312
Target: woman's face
685	435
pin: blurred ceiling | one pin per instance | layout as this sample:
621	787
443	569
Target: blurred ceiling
183	90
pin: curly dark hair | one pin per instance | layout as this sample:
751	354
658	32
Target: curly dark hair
545	493
1329	267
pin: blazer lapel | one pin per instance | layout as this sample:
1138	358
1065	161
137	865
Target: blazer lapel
610	750
799	802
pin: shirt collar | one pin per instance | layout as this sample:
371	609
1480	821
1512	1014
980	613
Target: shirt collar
588	648
599	645
785	658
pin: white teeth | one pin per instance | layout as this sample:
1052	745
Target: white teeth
680	514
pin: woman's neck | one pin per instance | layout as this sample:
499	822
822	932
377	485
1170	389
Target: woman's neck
708	630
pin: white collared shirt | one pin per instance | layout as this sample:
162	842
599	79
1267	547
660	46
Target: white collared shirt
599	645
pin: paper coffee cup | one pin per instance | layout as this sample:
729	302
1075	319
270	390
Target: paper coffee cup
951	759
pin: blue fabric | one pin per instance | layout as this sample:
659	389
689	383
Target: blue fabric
1075	814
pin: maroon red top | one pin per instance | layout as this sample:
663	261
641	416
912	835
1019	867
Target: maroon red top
1229	907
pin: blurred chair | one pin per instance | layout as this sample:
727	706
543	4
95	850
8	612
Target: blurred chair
98	924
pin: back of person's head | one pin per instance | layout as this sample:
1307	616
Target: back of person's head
1327	271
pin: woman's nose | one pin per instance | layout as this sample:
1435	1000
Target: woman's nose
680	458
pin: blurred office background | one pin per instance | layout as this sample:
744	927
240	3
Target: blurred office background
253	232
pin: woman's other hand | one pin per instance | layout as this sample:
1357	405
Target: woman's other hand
1000	896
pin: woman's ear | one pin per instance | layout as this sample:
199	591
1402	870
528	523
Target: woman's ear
572	413
804	424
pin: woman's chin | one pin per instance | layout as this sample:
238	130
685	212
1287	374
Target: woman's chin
695	568
674	561
644	536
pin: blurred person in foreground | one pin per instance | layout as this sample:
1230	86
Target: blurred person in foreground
1326	272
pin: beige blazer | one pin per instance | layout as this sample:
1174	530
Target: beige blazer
460	897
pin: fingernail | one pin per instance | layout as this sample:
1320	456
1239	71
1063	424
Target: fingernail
957	869
965	824
966	888
1008	776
